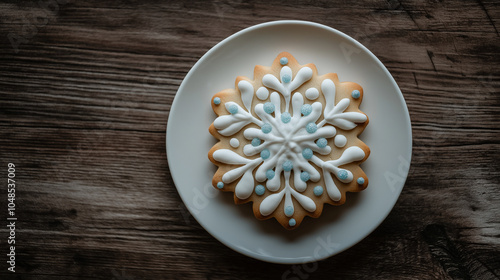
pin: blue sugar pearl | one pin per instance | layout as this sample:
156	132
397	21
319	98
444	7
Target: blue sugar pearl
220	185
255	142
233	109
306	109
289	210
304	176
307	153
343	174
287	165
321	142
286	78
269	107
311	127
270	174
361	180
356	94
266	128
318	190
260	189
292	222
284	61
265	154
217	101
286	117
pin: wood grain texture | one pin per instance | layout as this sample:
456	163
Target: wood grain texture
85	91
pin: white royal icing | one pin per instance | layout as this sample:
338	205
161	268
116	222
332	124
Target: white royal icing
288	139
312	93
340	141
262	93
235	143
246	90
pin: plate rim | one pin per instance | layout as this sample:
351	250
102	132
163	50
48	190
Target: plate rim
280	260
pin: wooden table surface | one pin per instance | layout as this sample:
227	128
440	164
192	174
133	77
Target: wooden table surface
85	93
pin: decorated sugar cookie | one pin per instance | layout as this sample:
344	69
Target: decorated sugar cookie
288	141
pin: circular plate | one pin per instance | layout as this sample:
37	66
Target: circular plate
339	227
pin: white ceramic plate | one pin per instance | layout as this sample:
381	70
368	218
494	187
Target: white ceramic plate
339	227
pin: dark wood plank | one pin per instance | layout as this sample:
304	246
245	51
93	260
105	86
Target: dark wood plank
84	101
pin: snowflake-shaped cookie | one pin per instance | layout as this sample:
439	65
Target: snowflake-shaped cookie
288	141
